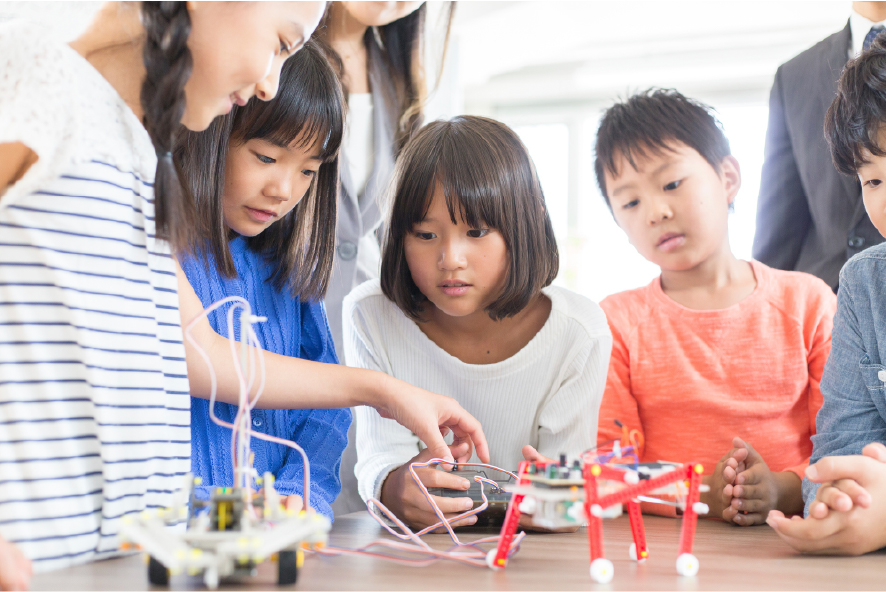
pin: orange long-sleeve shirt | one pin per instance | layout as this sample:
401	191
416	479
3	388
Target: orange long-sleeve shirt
690	380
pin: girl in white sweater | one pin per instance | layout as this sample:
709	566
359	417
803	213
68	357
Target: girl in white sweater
464	307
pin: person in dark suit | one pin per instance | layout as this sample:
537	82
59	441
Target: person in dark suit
810	217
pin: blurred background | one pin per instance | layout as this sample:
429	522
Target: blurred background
548	69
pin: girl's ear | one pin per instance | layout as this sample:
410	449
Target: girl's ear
730	173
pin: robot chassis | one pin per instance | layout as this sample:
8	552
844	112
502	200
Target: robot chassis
235	535
555	495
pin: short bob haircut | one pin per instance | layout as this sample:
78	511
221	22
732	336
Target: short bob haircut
651	121
858	113
488	179
308	108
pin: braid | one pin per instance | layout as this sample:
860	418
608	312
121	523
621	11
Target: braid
168	66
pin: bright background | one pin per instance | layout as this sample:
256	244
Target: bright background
548	69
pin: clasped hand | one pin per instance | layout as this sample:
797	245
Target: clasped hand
744	490
849	510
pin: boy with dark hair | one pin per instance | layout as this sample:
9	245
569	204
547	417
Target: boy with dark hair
716	347
845	490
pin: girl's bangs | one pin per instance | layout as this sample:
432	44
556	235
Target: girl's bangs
471	184
307	110
300	125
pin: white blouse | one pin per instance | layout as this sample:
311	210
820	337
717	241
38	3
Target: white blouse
547	394
358	139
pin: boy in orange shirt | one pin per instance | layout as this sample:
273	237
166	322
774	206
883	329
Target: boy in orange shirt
718	360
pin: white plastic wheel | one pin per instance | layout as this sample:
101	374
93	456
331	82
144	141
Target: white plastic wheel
490	560
687	564
602	570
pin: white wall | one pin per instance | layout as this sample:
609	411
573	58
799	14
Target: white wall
549	68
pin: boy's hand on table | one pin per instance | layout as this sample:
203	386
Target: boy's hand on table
854	532
735	463
721	482
15	568
403	497
758	490
843	494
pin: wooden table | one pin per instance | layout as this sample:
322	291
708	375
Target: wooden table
731	558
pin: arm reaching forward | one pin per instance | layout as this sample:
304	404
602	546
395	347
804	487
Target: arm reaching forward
293	383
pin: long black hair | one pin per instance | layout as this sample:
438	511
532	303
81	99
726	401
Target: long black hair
308	108
168	65
401	45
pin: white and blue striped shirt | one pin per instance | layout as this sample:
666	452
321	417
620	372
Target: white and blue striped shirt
94	404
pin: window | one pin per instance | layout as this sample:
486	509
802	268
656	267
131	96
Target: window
596	259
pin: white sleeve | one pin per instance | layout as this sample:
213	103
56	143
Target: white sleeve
382	444
568	419
36	108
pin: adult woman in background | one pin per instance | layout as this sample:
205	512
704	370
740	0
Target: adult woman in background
378	48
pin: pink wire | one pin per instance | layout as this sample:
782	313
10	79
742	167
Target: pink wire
475	557
252	342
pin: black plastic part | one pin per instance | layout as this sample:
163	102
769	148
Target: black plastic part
287	568
494	515
158	575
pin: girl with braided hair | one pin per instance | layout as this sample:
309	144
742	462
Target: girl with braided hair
94	376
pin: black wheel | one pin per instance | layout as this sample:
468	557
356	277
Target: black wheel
287	568
158	575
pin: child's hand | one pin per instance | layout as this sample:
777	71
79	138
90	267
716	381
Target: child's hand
430	417
532	455
858	531
15	568
758	490
735	464
843	494
720	482
402	495
293	502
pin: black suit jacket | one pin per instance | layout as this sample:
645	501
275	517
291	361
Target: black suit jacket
810	217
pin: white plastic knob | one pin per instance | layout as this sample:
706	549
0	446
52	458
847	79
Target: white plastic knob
576	512
687	564
527	506
700	508
602	570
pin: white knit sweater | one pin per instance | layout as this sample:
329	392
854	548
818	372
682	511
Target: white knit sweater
546	395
